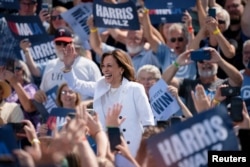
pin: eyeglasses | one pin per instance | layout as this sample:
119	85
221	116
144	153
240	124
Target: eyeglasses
221	21
64	92
179	39
59	17
60	43
18	68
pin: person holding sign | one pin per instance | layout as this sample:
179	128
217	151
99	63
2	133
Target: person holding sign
116	86
66	98
207	76
8	42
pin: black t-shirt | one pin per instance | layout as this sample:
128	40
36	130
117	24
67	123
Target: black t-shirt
186	85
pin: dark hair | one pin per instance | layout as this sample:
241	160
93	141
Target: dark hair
123	61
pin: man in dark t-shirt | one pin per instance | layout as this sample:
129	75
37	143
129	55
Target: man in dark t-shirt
207	70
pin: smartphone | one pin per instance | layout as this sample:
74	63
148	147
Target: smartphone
45	6
91	111
236	109
114	136
199	55
230	91
10	65
244	136
212	12
18	127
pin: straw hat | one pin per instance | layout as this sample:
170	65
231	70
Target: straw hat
6	88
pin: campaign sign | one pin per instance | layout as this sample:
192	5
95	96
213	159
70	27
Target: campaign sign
162	4
42	49
162	11
123	15
25	26
51	99
186	144
163	104
9	4
42	110
58	117
77	17
8	143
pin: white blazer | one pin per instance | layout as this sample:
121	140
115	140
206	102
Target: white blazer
135	106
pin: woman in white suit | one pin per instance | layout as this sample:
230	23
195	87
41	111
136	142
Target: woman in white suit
116	86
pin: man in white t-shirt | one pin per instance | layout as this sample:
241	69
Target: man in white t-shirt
85	69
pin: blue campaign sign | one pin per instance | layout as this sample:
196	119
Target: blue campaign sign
162	4
25	26
58	116
187	143
9	4
42	49
8	143
51	99
162	11
123	15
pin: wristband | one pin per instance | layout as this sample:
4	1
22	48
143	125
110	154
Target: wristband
146	11
190	29
217	31
176	64
216	101
93	30
35	140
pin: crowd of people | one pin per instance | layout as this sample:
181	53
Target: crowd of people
111	74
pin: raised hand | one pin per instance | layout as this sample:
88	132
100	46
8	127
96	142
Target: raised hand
112	118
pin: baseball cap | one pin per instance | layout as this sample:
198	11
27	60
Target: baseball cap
63	34
6	88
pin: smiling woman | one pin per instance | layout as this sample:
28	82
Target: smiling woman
117	86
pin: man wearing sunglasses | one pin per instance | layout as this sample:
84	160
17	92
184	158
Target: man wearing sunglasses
207	76
166	55
64	45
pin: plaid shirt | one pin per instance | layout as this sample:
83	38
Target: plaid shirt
7	41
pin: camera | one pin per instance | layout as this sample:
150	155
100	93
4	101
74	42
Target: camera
230	91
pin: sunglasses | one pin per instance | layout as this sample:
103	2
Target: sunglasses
179	39
221	21
60	43
59	17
